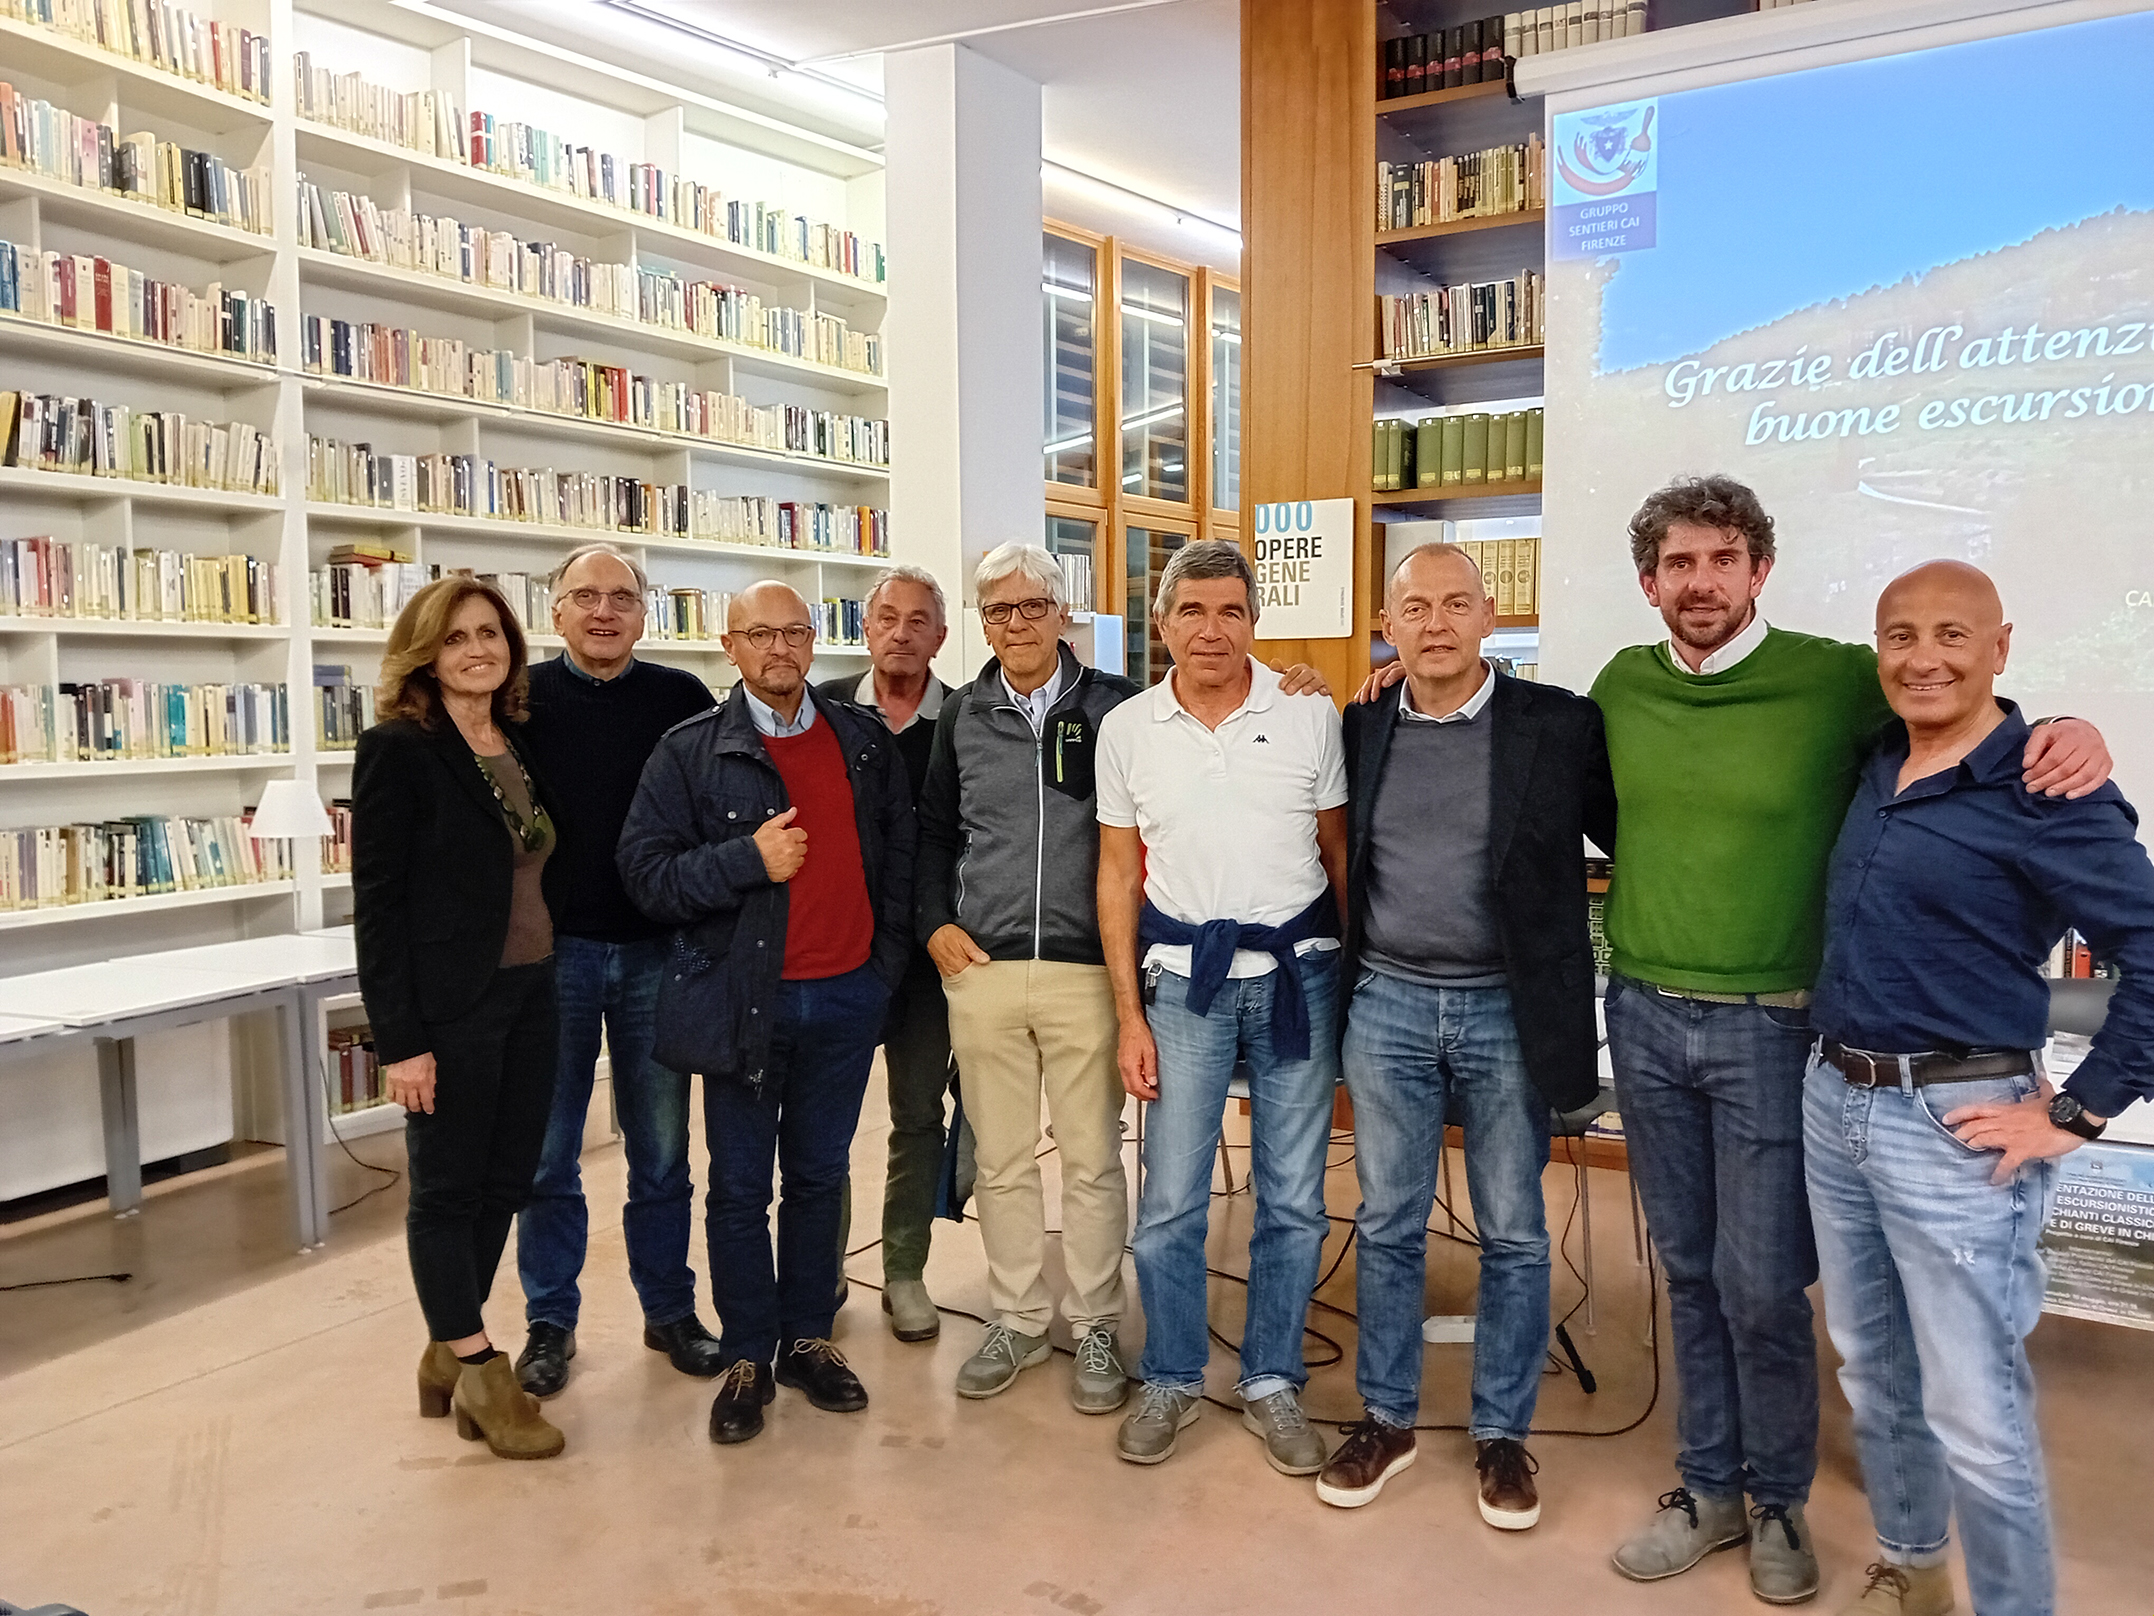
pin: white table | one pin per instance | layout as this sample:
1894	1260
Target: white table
117	1001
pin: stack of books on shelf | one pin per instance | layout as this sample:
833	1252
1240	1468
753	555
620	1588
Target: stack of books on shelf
112	720
841	622
683	613
49	577
1476	185
220	54
47	432
142	856
1582	22
342	707
1472	317
365	585
470	485
1442	59
337	845
427	122
1476	453
355	1082
2074	958
1511	568
789	524
51	141
86	293
1077	580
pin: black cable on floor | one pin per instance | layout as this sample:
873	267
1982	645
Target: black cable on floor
388	1183
72	1279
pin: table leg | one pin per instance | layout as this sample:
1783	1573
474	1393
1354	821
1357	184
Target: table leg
123	1125
306	1173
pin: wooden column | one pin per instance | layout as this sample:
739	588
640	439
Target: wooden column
1309	280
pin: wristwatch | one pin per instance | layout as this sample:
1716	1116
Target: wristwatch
2068	1114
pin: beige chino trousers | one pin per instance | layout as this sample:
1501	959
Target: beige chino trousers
1023	1028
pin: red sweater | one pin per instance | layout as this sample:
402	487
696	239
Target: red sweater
829	923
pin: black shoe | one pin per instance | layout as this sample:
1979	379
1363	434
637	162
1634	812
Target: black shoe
744	1389
542	1369
819	1369
693	1349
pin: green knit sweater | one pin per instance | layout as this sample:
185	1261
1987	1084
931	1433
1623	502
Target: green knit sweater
1730	790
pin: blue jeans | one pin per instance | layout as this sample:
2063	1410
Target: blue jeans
1289	1132
614	984
822	1042
1711	1100
1413	1053
1932	1281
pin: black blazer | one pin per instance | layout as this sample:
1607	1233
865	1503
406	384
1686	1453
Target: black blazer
432	869
1549	787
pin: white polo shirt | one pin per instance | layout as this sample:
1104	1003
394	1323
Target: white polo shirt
1228	816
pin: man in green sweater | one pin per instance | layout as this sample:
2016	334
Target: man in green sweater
1735	749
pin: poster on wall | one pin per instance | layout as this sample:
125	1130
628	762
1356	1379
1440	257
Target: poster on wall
1303	552
2099	1241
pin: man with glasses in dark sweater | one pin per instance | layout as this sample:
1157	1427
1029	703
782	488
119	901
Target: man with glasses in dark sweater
597	712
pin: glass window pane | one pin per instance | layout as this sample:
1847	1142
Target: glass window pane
1155	382
1226	399
1148	551
1074	542
1069	274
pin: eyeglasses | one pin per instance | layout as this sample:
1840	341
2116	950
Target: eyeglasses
623	600
1034	609
796	635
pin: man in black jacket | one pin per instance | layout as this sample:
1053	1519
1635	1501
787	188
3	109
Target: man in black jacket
775	795
1471	972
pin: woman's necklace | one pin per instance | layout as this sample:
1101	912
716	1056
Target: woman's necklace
531	834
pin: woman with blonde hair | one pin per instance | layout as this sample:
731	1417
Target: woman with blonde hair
450	882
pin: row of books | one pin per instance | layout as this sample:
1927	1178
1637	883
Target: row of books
355	1072
840	622
78	578
337	845
142	856
1475	185
427	121
1442	59
352	225
789	524
2073	958
109	720
48	432
88	293
341	473
1458	451
364	594
51	141
1471	317
590	389
222	55
1581	22
343	708
1511	571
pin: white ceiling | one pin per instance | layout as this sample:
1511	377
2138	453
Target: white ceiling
1142	94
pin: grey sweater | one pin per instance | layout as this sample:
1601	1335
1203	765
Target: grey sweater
1009	841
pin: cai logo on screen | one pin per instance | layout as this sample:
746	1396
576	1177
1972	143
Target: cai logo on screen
1607	174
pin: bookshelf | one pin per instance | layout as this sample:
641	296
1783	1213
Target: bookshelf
407	47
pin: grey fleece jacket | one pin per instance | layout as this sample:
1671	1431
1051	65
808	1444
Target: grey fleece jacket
1009	841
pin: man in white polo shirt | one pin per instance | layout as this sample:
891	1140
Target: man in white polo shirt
1223	860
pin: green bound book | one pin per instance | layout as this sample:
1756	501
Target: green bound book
1533	443
1428	451
1454	450
1514	446
1476	449
1408	460
1378	455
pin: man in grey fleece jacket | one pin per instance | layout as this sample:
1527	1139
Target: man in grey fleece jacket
1005	895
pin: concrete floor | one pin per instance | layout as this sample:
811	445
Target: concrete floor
234	1432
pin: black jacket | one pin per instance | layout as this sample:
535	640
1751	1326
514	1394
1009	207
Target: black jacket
1549	787
912	741
432	870
688	859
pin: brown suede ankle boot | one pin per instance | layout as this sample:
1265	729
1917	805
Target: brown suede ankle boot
490	1405
438	1372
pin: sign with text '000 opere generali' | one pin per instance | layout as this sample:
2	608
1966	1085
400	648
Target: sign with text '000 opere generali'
1303	552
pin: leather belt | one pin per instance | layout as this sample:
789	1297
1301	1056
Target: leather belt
1793	999
1873	1070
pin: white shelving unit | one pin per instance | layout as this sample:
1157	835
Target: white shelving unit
406	45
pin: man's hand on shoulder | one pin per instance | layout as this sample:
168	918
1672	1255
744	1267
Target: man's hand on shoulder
1380	680
1301	680
2068	758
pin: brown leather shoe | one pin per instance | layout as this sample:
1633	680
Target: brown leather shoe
438	1374
1509	1500
490	1406
1371	1455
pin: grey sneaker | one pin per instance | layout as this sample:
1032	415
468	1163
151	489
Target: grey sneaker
1147	1436
1291	1446
1003	1352
1685	1531
1783	1564
1099	1384
911	1309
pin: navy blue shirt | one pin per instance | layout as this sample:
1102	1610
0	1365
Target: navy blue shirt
1945	900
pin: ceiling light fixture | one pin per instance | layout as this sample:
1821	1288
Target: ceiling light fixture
769	61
